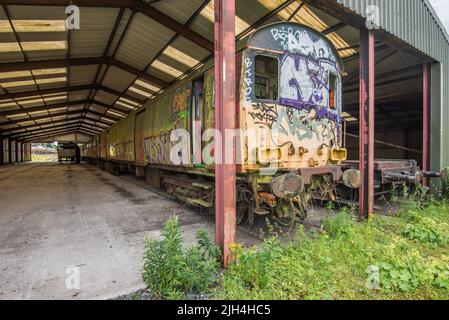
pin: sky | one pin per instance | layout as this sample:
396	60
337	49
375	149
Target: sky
442	9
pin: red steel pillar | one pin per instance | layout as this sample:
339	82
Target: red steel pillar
366	193
426	123
225	107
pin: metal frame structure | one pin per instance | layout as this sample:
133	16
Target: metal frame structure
426	120
225	121
366	124
224	48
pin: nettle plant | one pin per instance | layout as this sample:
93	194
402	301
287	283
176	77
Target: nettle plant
171	272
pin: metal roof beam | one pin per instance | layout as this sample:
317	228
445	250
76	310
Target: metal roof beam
335	28
26	94
50	135
27	134
96	132
62	121
21	135
56	124
62	105
54	133
41	108
47	116
62	63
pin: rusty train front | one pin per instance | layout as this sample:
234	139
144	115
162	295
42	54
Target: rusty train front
290	138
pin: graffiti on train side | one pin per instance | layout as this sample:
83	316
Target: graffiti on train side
181	105
264	114
209	112
291	122
209	89
158	148
303	41
304	84
248	79
306	67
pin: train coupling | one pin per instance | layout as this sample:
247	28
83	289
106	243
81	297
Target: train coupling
412	178
433	174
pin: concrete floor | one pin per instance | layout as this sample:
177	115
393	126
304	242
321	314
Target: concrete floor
55	217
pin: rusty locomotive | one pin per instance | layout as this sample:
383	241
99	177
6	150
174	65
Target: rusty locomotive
289	111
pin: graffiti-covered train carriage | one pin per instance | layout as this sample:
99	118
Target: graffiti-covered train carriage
290	139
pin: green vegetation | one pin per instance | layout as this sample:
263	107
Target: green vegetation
445	184
402	257
44	157
171	272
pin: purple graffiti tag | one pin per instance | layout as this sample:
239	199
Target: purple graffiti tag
312	78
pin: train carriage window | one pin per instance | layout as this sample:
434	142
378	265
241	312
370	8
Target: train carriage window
267	78
332	90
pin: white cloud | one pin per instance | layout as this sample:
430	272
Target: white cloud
442	9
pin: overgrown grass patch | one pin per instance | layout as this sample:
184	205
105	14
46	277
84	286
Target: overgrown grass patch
402	257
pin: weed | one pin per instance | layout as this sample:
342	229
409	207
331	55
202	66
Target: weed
422	233
404	256
171	272
445	185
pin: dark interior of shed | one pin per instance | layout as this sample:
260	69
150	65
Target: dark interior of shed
398	105
398	92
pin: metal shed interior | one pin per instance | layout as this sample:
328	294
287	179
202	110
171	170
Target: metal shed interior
55	81
67	85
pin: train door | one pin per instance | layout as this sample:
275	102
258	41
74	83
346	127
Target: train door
197	119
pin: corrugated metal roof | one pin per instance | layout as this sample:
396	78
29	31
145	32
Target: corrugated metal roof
143	40
80	75
118	79
92	38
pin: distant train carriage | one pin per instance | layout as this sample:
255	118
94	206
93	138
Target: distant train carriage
289	106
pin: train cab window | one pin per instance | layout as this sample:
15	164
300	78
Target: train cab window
266	78
332	90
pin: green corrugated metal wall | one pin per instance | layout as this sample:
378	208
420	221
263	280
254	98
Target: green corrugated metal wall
415	22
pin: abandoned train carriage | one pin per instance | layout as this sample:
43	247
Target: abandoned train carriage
290	96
